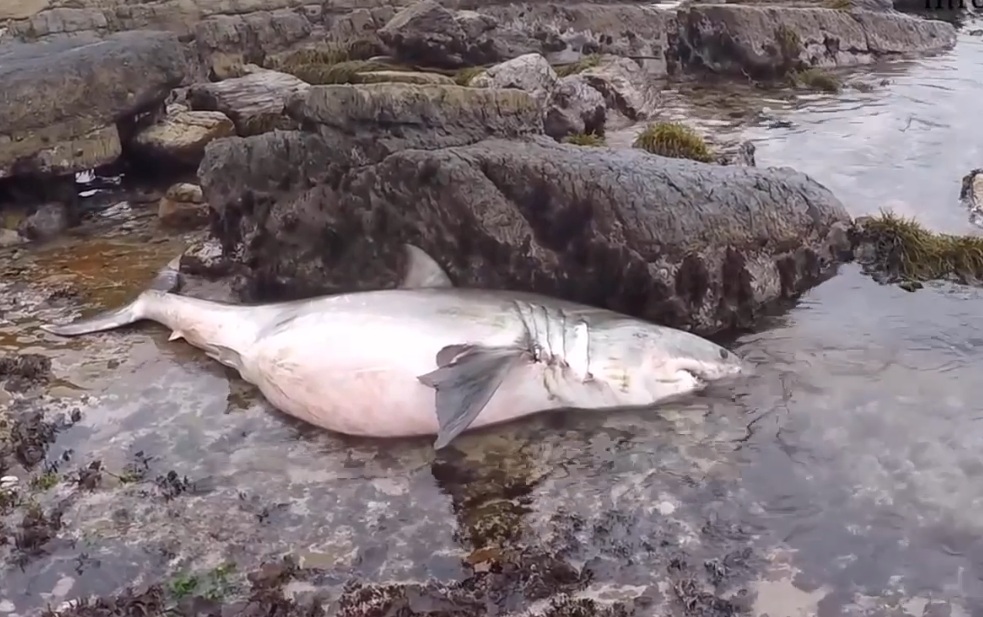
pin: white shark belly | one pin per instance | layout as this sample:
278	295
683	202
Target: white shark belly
358	377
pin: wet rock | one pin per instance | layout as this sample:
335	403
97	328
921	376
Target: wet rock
429	34
425	117
254	103
205	258
575	108
47	221
21	371
628	90
10	237
706	247
183	207
62	99
530	73
739	153
180	137
226	40
769	41
971	195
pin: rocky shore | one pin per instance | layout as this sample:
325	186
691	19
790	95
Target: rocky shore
315	125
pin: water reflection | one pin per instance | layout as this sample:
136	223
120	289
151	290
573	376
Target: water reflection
867	449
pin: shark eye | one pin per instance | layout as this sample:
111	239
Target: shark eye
724	354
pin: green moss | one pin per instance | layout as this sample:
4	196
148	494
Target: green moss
840	5
676	140
584	139
817	79
903	251
338	73
586	62
465	75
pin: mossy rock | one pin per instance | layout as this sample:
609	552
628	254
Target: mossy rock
403	77
264	123
586	62
900	250
675	140
584	139
325	53
790	48
817	79
339	73
464	76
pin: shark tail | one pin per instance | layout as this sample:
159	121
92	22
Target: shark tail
167	280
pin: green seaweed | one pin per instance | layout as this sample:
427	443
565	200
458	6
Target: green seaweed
584	139
903	251
817	79
675	140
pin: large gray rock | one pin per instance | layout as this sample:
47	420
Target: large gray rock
769	41
60	101
428	32
575	108
366	123
679	242
254	103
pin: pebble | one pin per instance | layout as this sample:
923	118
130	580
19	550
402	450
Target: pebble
6	606
8	481
666	508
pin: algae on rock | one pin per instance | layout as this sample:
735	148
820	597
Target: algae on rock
675	140
900	250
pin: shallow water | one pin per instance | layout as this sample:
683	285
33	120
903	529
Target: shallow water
845	477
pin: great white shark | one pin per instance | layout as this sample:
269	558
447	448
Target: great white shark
428	358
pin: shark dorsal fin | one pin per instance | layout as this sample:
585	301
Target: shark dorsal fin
422	270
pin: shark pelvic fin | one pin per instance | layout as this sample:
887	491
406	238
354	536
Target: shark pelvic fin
467	378
422	270
225	355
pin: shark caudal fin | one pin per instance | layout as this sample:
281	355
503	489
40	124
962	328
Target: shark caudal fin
167	280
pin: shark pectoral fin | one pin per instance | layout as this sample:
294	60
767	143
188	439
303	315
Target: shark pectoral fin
422	270
466	384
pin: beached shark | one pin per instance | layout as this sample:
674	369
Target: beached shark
428	358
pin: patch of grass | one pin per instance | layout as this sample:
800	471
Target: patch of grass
586	62
465	75
817	79
901	250
584	139
839	5
675	140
